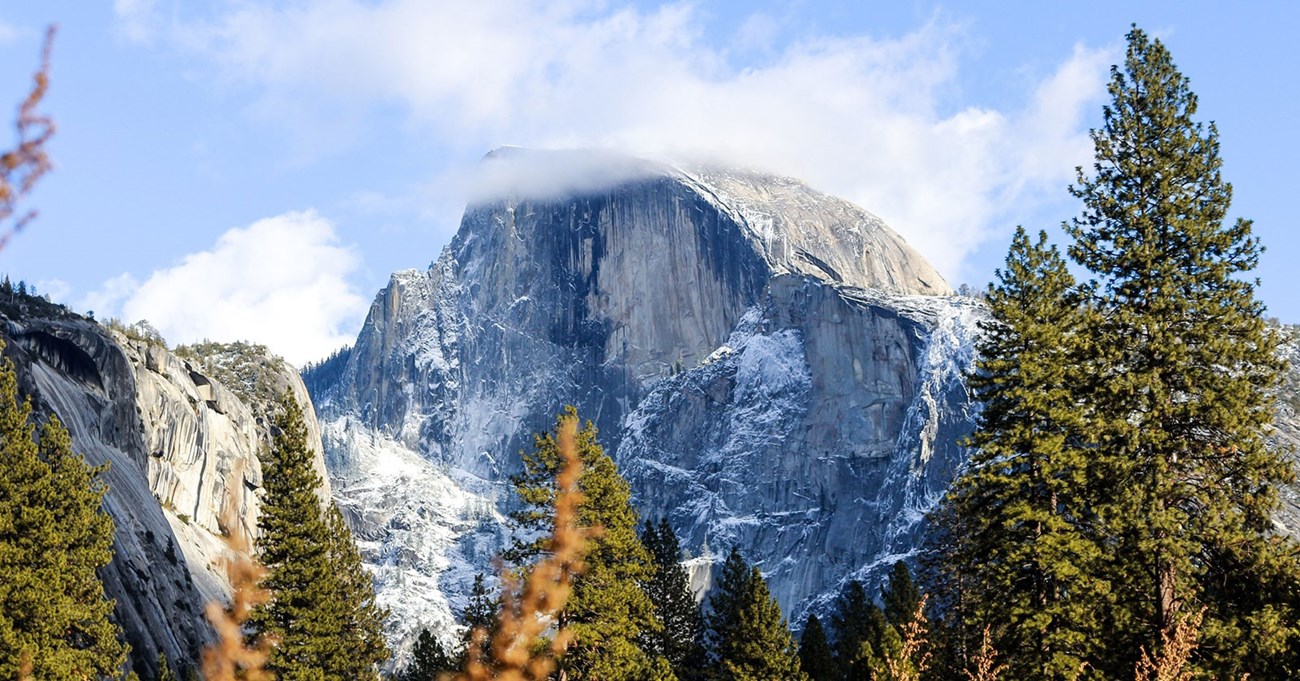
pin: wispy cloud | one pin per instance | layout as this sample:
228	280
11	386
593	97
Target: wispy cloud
8	32
282	281
868	119
137	20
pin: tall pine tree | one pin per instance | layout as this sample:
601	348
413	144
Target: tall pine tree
679	639
429	660
607	613
862	634
54	536
1020	541
748	635
482	613
321	612
360	618
900	596
1186	368
815	655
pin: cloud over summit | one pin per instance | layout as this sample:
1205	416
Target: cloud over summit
865	118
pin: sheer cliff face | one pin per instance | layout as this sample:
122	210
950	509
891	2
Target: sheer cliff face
771	366
179	444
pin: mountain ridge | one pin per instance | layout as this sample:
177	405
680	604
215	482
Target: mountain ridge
594	299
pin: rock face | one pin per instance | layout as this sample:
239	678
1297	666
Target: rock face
179	444
771	366
1286	433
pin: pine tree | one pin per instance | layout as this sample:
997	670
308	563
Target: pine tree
815	655
1020	537
900	597
428	659
862	634
679	640
748	635
361	619
54	535
482	613
607	613
1186	366
321	613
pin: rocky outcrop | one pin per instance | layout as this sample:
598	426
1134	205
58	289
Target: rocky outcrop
772	367
179	444
1286	433
816	438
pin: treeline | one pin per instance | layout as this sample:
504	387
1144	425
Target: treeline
319	376
631	614
1115	520
1116	516
20	299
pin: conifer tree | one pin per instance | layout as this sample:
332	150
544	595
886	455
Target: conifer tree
748	635
679	640
815	655
1186	368
54	535
1021	541
482	613
429	659
607	613
900	596
862	634
320	613
360	618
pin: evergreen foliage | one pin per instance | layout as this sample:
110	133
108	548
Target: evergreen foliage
607	613
482	613
815	655
54	536
1021	544
679	640
250	370
862	634
165	672
748	635
429	660
1122	484
319	376
1186	367
900	597
360	618
321	612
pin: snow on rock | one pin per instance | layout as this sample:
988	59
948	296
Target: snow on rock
423	534
750	349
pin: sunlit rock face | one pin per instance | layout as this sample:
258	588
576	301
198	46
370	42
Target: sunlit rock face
179	445
1285	435
770	366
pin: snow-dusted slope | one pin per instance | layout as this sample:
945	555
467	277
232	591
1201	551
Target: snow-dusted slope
817	437
768	363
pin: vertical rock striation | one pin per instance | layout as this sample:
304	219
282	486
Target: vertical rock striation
770	365
178	442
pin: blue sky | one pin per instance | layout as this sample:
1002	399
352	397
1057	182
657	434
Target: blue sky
257	169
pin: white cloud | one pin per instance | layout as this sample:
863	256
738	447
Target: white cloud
137	20
516	172
864	118
282	281
56	289
8	33
106	302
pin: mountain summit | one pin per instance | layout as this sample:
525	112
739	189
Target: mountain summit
773	368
